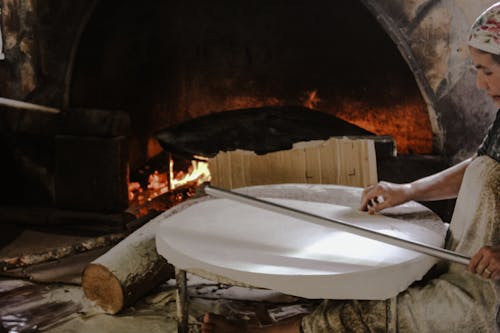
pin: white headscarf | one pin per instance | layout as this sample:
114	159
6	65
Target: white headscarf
485	32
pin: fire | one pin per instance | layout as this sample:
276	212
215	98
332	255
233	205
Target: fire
163	182
312	100
158	183
198	172
133	188
243	102
407	123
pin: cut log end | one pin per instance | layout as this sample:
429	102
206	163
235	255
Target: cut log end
101	286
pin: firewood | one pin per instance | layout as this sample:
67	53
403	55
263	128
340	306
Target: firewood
130	269
126	272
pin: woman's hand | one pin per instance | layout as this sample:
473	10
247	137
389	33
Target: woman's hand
486	262
439	186
384	195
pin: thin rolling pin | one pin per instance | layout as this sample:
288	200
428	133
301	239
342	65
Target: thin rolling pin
342	225
12	103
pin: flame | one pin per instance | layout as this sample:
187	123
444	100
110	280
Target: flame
157	185
163	182
198	172
312	100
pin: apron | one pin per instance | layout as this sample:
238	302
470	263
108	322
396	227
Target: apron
456	300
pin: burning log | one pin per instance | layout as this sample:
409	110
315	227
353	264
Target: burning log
130	269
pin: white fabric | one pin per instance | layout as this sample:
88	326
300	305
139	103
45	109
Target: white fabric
273	251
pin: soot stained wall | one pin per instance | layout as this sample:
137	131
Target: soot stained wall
173	61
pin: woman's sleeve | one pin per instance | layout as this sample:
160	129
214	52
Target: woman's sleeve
491	143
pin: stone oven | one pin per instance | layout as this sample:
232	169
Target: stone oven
105	106
119	73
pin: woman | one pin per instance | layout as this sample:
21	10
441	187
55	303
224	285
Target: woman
456	300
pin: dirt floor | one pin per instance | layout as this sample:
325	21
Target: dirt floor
62	308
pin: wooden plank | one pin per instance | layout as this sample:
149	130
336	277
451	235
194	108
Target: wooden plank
222	170
292	166
313	170
330	164
370	173
348	162
335	161
239	168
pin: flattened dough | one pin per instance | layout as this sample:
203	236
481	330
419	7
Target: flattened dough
274	251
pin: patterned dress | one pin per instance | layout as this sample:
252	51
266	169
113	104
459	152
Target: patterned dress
455	300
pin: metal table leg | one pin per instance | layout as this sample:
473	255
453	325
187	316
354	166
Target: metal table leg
392	315
182	301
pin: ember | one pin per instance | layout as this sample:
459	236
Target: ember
407	123
164	182
158	183
312	99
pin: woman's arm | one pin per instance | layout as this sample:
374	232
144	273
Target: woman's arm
442	185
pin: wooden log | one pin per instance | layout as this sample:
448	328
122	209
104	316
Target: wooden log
65	270
126	272
130	269
27	247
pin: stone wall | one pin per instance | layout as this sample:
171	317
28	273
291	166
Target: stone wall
39	40
431	35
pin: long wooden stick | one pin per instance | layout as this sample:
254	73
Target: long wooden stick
12	103
342	225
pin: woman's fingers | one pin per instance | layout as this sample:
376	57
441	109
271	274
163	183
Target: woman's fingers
373	196
379	203
383	195
482	267
366	196
474	261
486	273
486	263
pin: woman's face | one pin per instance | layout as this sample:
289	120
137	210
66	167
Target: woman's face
488	74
